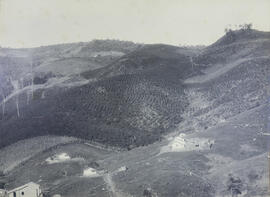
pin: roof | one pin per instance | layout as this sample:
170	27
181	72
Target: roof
24	186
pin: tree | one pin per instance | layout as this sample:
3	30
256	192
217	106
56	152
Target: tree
3	102
234	185
249	26
2	180
229	31
246	27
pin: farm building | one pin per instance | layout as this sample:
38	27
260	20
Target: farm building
28	190
3	193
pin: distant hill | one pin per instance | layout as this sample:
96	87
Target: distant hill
56	61
157	59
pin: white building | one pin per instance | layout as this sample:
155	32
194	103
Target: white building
3	193
28	190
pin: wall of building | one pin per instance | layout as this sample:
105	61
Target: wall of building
31	190
3	193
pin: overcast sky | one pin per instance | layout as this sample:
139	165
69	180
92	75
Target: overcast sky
31	23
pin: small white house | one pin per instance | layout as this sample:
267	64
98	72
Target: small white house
3	193
28	190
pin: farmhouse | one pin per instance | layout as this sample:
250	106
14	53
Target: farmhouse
28	190
3	193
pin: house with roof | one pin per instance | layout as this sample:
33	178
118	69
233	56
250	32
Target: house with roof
30	189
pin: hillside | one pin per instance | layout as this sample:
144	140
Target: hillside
26	66
167	62
147	120
124	109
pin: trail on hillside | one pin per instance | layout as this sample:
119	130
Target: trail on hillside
110	185
218	70
113	191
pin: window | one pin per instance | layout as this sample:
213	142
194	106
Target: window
14	194
22	193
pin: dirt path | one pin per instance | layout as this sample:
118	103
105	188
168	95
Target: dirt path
113	191
110	185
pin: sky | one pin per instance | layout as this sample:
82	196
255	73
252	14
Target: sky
33	23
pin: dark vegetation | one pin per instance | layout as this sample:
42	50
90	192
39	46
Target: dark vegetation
2	180
234	185
42	78
108	111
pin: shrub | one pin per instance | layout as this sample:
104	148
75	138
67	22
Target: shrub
234	185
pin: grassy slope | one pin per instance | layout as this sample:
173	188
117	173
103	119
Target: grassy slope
187	173
13	155
125	110
56	60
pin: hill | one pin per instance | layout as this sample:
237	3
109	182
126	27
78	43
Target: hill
202	114
27	66
160	60
125	109
139	96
